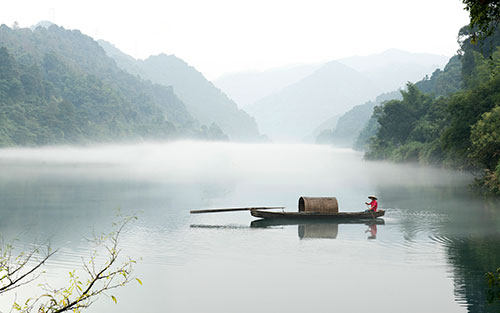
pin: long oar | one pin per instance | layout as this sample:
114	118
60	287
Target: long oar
234	209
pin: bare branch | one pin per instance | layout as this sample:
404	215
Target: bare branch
13	269
100	279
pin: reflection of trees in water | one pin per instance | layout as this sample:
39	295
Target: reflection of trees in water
467	225
439	210
471	259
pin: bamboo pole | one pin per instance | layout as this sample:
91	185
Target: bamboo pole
234	209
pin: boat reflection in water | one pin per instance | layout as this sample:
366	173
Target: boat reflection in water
372	229
323	231
319	229
307	229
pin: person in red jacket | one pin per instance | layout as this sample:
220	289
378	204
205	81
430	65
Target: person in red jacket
373	204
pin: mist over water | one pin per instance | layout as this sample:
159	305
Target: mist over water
223	262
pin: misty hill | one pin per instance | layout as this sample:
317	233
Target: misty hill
393	68
247	87
357	126
298	109
59	86
442	83
350	125
203	100
327	125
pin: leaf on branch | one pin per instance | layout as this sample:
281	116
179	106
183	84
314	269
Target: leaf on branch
114	299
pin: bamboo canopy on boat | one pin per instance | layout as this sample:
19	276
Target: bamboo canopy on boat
318	204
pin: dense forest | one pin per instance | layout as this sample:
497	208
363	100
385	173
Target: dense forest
58	87
451	119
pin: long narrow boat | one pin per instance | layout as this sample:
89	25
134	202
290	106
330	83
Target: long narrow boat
271	222
317	215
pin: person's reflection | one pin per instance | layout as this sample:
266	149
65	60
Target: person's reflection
373	231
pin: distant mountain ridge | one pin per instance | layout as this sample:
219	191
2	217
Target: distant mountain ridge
393	68
248	87
204	101
393	56
356	127
296	111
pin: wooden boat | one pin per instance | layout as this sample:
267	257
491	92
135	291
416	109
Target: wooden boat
272	222
303	215
310	208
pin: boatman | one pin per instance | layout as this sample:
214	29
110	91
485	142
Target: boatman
373	204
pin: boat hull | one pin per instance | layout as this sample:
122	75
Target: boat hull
271	222
317	215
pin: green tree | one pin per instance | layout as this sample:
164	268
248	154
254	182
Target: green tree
484	16
493	280
397	121
485	150
485	137
465	109
444	82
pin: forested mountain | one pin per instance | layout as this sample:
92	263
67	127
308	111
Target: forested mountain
443	82
297	110
458	130
248	87
202	99
58	86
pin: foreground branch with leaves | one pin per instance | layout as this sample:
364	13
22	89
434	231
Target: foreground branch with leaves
484	17
493	280
14	271
81	291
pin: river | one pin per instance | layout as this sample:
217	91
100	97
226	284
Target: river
430	254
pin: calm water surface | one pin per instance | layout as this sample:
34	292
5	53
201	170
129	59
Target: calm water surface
430	254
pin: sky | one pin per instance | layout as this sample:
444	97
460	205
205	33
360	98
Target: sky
225	36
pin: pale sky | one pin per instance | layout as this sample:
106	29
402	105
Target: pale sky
223	36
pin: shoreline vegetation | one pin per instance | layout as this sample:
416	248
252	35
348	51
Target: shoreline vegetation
451	119
460	129
58	86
